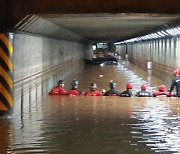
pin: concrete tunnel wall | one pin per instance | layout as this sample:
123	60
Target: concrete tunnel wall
39	62
164	54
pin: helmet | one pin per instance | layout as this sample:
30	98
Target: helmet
112	84
129	86
60	82
162	88
176	72
74	82
143	87
93	86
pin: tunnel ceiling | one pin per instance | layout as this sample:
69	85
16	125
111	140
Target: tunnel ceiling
95	20
110	27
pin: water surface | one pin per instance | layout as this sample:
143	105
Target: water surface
96	125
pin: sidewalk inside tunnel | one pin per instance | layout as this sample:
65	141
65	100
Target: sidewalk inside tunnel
96	124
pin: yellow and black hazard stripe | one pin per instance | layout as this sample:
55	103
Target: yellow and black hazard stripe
6	72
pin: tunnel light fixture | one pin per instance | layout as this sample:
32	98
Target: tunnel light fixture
176	31
117	43
150	36
156	35
171	32
178	28
11	35
102	43
161	34
166	34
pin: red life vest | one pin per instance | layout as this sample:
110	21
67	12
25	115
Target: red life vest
57	91
94	93
72	92
159	93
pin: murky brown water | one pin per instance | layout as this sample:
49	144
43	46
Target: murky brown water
96	125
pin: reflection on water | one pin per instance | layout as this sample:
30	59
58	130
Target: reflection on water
158	126
5	134
95	125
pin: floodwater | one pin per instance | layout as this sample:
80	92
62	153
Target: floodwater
96	125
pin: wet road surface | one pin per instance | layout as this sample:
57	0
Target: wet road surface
96	125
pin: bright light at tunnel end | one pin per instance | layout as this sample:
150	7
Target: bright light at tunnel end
159	34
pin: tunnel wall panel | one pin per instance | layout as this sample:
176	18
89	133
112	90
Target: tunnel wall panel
164	54
39	62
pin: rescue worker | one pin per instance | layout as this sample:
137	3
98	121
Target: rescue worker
58	90
127	92
143	92
176	82
112	91
74	91
162	92
93	91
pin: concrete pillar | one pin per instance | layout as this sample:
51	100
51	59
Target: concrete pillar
6	73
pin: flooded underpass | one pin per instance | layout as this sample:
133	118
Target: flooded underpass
98	124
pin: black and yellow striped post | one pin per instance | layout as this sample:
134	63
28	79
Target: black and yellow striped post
6	73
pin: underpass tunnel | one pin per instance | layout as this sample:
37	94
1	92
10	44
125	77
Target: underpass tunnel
43	41
48	46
